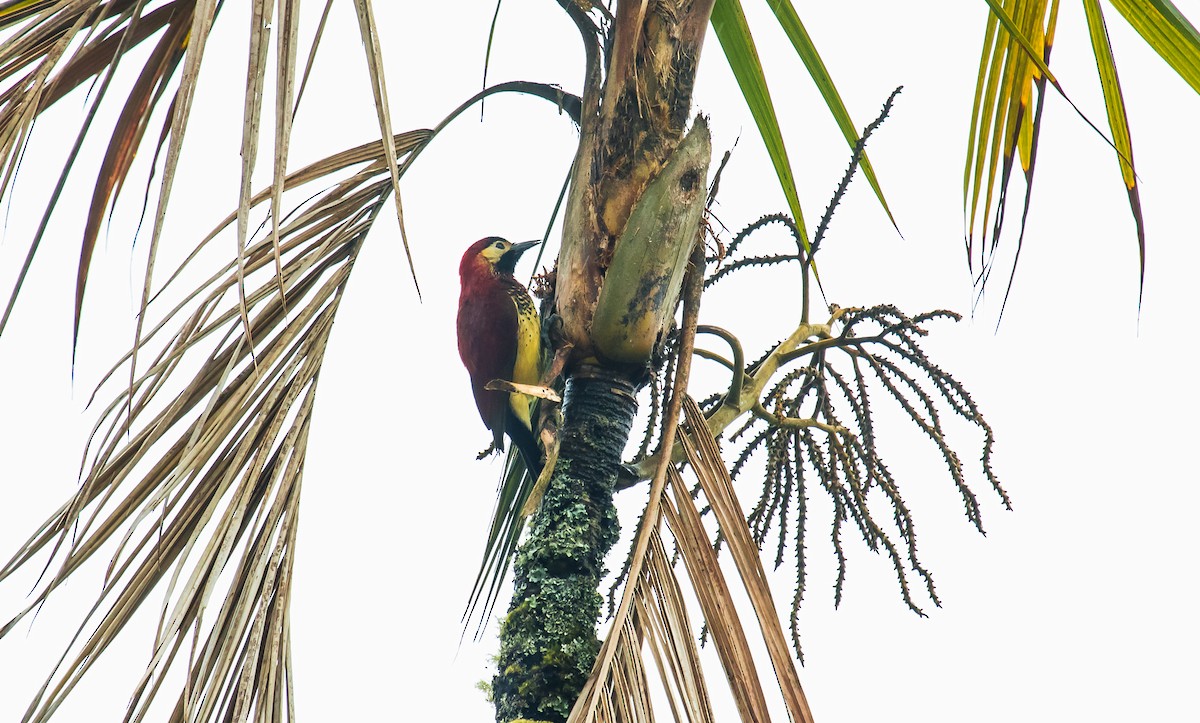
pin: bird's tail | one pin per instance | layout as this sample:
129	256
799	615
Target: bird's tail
522	439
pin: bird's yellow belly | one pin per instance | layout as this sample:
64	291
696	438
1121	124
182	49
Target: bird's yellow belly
529	353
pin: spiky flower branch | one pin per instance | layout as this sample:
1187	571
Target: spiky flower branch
807	408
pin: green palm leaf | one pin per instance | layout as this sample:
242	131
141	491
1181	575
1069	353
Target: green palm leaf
1118	123
733	33
1168	32
1005	127
790	22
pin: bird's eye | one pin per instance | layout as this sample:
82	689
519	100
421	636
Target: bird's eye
499	244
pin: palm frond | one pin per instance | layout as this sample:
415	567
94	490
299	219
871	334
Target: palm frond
1118	124
652	622
1017	32
52	49
370	38
1006	122
508	521
700	449
194	467
655	619
737	42
190	478
733	33
1168	32
806	50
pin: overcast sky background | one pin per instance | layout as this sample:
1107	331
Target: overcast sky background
1078	605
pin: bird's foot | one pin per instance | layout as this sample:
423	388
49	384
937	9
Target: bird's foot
491	448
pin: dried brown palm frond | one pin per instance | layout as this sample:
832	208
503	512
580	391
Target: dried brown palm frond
194	470
652	613
192	475
652	623
654	629
49	49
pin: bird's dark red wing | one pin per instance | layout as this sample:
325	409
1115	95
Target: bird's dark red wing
487	333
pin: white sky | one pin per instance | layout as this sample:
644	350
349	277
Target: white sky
1079	605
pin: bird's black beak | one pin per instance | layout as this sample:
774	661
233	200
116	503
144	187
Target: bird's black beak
518	249
508	262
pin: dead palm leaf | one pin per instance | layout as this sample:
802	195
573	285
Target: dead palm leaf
652	612
652	622
193	480
194	467
54	48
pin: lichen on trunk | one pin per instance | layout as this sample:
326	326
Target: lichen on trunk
548	638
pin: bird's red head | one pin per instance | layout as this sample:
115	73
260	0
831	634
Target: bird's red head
492	255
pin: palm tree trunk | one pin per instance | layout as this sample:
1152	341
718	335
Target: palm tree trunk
548	639
632	121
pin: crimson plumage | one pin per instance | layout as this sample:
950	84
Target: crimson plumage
499	338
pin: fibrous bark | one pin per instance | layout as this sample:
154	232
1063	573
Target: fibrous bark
646	104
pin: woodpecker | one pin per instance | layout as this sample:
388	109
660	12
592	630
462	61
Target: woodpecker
499	337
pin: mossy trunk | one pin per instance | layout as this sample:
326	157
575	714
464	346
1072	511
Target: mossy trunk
548	639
